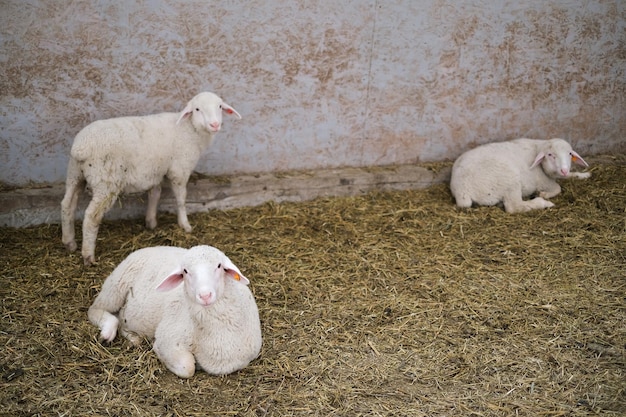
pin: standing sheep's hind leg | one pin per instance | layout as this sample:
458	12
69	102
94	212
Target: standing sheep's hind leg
68	211
153	201
73	184
100	203
180	192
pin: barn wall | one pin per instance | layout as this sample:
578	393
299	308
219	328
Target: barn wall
319	84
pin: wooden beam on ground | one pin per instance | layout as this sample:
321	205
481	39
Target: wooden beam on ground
33	206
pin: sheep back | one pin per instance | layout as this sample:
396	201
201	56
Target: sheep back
135	153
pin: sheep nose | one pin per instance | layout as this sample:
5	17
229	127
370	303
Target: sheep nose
564	171
206	298
215	126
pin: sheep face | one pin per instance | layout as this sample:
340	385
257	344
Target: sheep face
203	271
556	158
205	111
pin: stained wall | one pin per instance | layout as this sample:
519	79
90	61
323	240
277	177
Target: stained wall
319	84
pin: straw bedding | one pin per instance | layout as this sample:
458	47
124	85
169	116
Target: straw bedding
394	303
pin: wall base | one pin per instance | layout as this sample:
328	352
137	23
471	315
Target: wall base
35	206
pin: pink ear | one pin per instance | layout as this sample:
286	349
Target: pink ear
230	110
538	159
237	276
182	116
171	282
185	113
577	159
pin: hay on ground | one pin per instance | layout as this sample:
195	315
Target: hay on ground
391	303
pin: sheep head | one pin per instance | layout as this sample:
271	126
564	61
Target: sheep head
205	111
203	271
556	157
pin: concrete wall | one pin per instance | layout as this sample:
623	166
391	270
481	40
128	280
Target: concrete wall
320	84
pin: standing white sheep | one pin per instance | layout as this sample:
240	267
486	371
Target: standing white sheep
211	320
134	154
508	171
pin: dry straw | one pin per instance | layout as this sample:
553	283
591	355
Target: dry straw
391	303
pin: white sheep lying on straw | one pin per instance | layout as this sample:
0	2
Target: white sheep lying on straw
210	320
508	171
134	154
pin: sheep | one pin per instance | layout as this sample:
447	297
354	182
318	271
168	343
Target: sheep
211	320
134	154
508	171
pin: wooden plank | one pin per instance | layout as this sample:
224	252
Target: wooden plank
33	206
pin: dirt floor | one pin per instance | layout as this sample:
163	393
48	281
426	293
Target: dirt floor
393	303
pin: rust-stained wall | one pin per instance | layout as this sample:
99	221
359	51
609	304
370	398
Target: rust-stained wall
319	84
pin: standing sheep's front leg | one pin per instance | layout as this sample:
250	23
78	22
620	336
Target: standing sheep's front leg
180	192
153	201
100	203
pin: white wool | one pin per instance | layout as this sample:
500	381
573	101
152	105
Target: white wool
211	320
509	171
135	154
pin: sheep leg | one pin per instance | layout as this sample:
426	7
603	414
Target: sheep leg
132	337
106	321
100	203
178	360
463	200
515	204
68	211
180	192
554	190
153	201
579	175
68	205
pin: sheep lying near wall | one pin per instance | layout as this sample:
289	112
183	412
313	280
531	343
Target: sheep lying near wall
508	171
212	319
134	154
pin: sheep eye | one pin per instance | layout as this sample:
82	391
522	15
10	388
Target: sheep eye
185	271
197	109
219	266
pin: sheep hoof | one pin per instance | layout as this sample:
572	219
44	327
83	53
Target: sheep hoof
89	260
546	195
542	203
133	338
109	329
71	246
